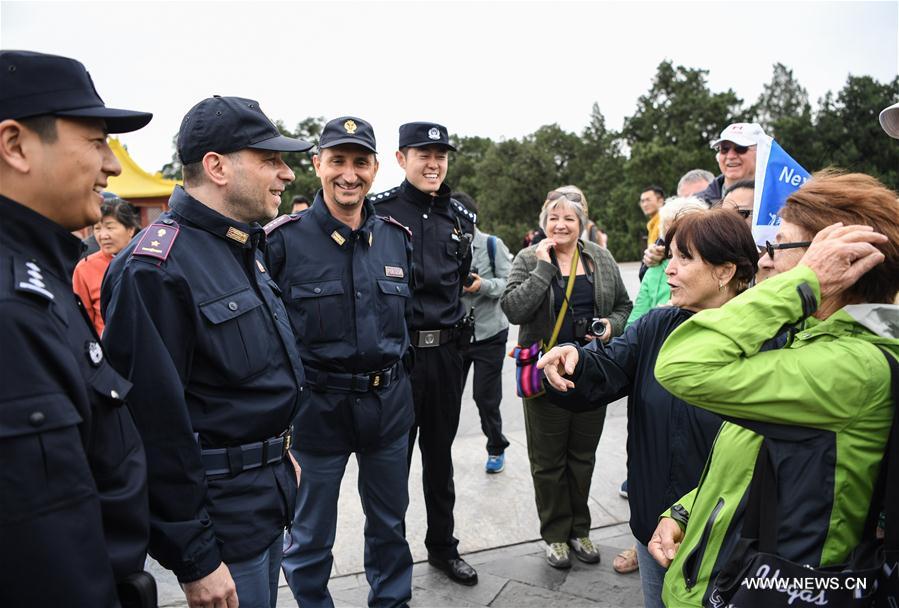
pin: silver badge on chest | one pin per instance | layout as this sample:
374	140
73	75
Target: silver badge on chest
94	353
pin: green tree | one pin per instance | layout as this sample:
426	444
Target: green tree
306	182
784	111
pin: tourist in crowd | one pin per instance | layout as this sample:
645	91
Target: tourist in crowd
562	444
735	152
831	386
712	260
694	181
117	226
739	197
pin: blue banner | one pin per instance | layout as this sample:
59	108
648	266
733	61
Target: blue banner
777	175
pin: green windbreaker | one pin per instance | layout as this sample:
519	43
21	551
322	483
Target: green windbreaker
831	378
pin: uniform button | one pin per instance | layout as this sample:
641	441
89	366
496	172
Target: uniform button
232	305
317	290
398	288
358	294
37	418
424	215
358	401
275	315
114	394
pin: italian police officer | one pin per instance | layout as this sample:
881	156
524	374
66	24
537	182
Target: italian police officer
344	272
73	500
442	230
196	322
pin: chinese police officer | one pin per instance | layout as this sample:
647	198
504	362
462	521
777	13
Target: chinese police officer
74	519
195	320
344	273
442	230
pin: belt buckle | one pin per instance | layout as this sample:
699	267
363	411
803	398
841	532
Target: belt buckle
288	441
376	380
428	338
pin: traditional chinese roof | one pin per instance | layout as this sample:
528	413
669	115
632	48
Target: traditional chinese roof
134	182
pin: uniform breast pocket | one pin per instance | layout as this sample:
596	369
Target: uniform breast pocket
392	308
239	338
320	311
449	268
113	435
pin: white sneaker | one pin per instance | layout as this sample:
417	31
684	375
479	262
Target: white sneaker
557	555
584	550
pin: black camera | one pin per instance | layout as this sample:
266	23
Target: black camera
469	280
595	327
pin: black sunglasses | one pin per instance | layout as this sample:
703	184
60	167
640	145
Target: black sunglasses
744	213
771	247
726	147
555	195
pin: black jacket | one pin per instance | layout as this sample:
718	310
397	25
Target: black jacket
193	318
73	490
668	440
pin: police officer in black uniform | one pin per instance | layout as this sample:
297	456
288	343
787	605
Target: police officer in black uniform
73	500
195	320
442	230
344	272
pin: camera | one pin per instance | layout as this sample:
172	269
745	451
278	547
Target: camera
595	327
469	280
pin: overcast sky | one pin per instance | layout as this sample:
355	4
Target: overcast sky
499	69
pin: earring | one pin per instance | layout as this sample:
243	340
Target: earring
720	286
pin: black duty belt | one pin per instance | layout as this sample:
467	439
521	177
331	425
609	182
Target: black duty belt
228	462
431	338
356	383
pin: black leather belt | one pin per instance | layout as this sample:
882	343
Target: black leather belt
432	338
228	462
356	383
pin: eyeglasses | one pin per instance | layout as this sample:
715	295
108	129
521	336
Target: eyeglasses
771	247
744	213
555	195
726	147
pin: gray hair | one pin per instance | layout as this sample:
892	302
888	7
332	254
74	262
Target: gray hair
580	209
695	175
678	206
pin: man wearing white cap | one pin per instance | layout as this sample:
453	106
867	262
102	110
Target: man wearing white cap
889	120
736	150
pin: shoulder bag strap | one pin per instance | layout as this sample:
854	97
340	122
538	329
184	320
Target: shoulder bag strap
568	289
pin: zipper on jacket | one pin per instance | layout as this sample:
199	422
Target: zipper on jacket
694	560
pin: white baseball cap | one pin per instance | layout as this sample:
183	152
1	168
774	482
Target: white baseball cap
741	133
889	120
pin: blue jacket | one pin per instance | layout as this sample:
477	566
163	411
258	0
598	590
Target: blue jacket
194	320
349	300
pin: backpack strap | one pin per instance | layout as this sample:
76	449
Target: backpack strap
491	252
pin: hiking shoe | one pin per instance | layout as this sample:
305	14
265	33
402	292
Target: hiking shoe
495	464
557	555
584	550
622	491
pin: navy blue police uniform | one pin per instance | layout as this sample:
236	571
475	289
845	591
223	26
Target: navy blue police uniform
74	518
195	320
348	297
442	230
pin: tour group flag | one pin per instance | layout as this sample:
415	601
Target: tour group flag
777	175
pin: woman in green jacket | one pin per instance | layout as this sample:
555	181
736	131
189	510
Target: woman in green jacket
832	382
562	444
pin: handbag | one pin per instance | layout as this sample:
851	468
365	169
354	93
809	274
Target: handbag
529	379
756	577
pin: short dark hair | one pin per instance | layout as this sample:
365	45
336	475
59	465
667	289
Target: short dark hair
299	198
718	236
122	211
193	173
748	184
466	200
44	125
657	189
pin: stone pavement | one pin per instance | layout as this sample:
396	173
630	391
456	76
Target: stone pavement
496	522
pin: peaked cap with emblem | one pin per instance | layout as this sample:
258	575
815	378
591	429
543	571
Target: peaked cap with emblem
421	134
348	130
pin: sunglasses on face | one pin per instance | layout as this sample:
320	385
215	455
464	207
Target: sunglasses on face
770	247
725	148
555	195
744	213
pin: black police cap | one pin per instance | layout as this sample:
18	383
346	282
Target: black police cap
37	84
228	124
420	134
348	130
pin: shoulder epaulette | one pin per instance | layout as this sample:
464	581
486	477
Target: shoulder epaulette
390	220
280	221
158	239
463	211
384	196
29	277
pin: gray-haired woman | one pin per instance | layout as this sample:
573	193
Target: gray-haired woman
562	444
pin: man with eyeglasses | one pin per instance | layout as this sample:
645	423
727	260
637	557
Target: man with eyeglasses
735	153
740	197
